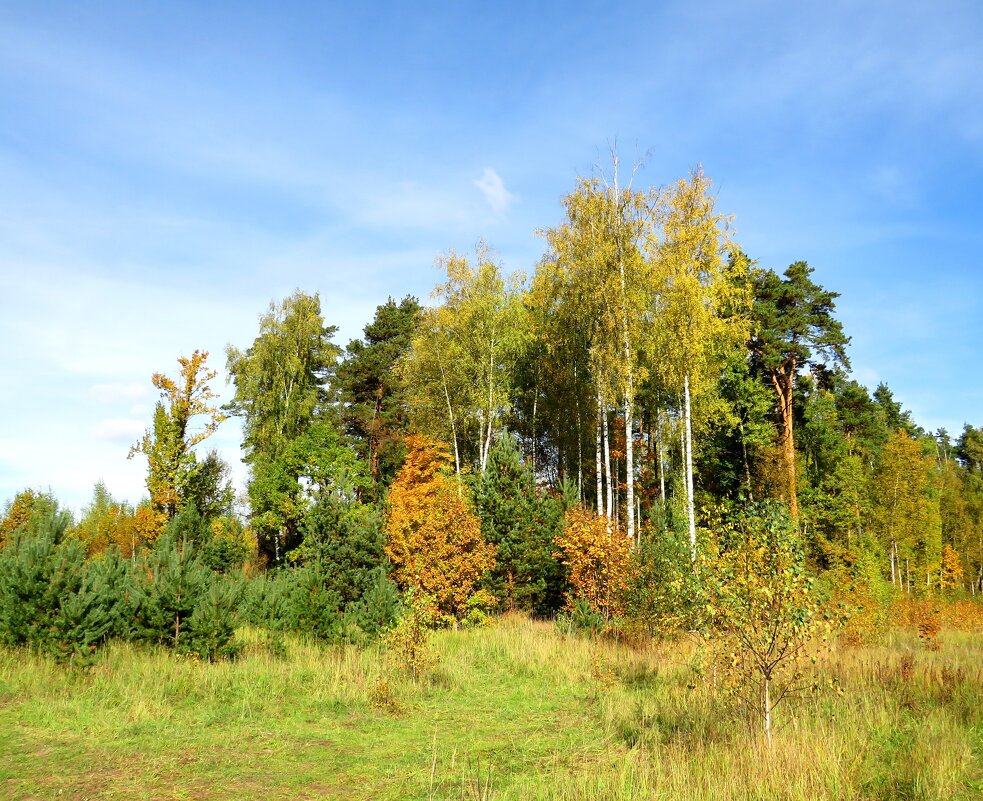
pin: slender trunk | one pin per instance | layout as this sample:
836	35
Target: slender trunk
747	466
784	383
690	504
598	451
486	447
659	456
535	403
580	456
617	492
630	464
374	444
607	463
767	710
450	417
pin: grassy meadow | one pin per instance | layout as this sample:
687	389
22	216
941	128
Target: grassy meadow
515	710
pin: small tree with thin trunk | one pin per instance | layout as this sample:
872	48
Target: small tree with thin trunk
766	612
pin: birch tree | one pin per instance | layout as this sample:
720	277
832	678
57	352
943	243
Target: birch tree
702	305
281	390
598	257
169	443
463	357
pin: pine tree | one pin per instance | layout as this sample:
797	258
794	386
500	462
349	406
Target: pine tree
522	524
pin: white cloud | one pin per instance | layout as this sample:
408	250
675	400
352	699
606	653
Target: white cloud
492	187
118	429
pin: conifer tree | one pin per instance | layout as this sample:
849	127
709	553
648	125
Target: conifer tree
521	523
373	408
794	329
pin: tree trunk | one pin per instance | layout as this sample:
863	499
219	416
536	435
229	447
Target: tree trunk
767	709
747	466
580	456
607	462
630	464
598	453
784	383
374	444
450	416
535	403
658	449
690	504
486	446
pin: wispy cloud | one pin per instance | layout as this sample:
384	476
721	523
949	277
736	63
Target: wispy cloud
493	188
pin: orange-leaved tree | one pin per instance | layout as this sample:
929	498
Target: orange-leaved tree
433	538
598	557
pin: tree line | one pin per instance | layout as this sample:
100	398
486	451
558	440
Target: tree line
580	439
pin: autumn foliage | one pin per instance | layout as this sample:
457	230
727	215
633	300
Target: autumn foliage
598	557
433	539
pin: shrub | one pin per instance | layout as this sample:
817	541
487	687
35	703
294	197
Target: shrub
599	562
408	645
665	588
521	523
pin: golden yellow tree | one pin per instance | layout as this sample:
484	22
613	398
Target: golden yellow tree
433	539
702	309
951	574
598	558
905	513
597	281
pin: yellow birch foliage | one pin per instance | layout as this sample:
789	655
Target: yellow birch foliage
952	568
598	557
433	539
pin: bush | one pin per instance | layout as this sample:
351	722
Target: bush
521	522
408	645
663	595
598	557
211	627
303	600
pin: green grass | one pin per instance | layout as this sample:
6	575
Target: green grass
514	711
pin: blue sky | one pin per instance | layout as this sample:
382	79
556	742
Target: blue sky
166	169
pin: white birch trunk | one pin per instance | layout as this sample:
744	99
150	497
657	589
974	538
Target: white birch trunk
690	505
597	459
659	456
630	466
486	446
607	463
450	416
